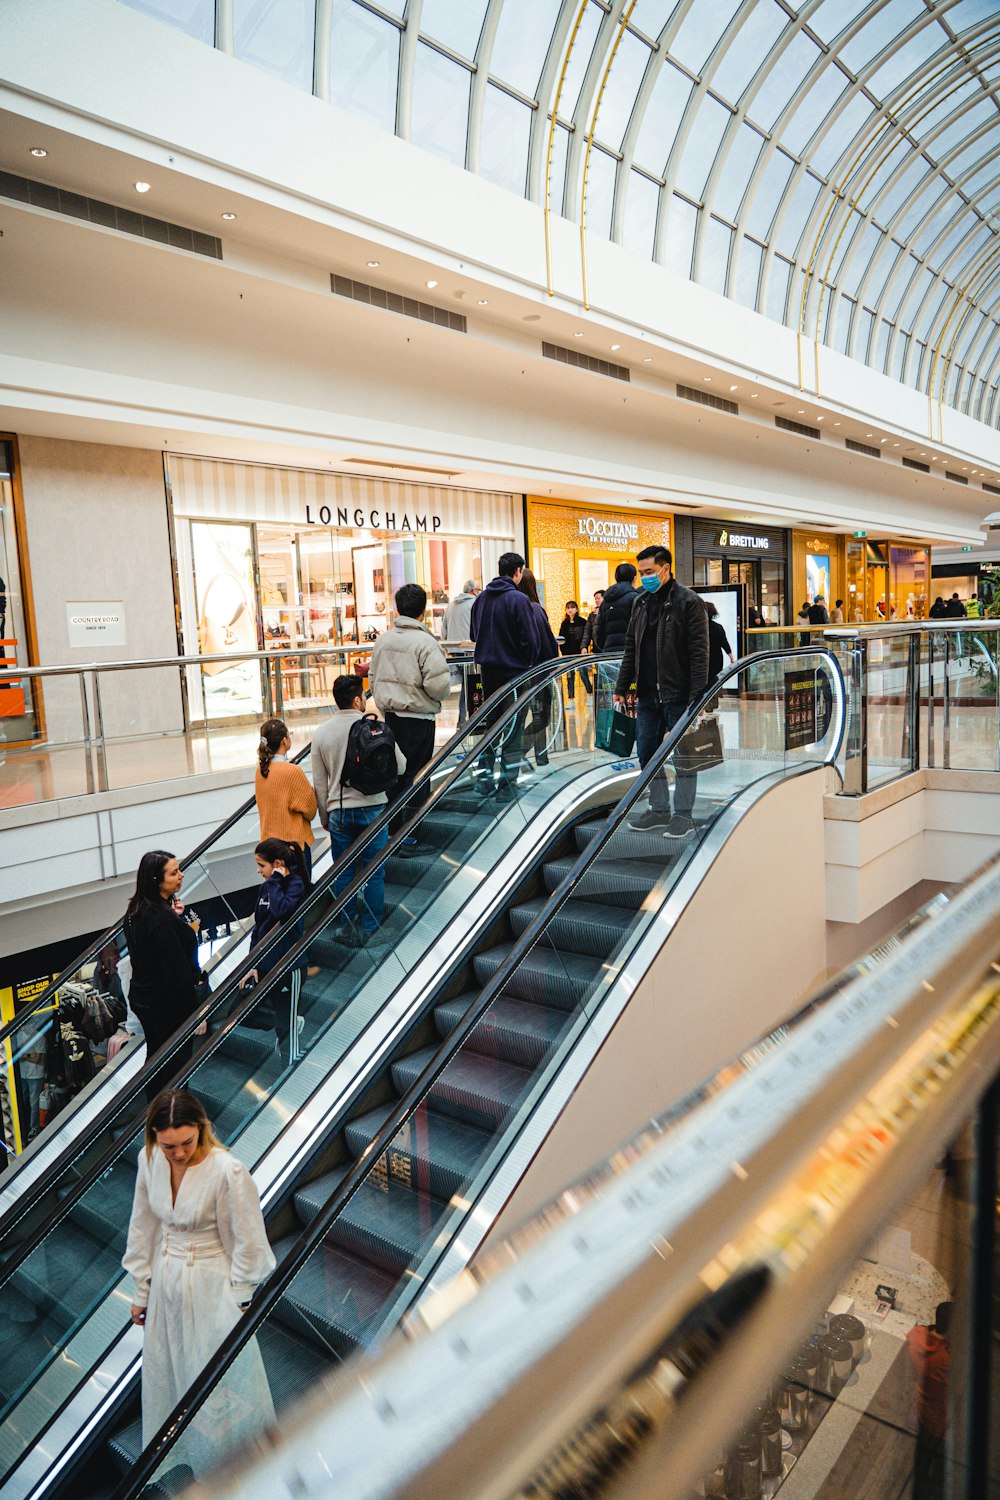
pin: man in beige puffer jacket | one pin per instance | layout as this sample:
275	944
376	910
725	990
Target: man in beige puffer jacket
409	680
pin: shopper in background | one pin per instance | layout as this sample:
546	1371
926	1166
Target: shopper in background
346	812
571	630
930	1357
802	618
548	650
108	983
755	619
589	640
163	950
818	612
954	609
666	656
718	642
837	613
285	887
611	624
197	1249
31	1042
507	644
285	800
409	680
937	610
458	627
973	608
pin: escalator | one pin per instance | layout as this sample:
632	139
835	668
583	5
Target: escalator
400	1189
69	1351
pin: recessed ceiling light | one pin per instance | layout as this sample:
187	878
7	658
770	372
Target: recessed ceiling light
141	187
647	359
800	412
482	302
39	151
753	395
373	265
819	419
895	445
734	387
867	434
883	440
616	346
578	335
708	380
432	284
229	216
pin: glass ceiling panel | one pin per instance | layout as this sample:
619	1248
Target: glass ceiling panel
277	37
793	221
650	16
364	64
879	31
456	23
699	31
756	36
621	89
196	18
706	134
823	94
768	195
661	122
836	143
907	60
731	184
503	150
834	16
861	258
983	113
783	78
969	13
639	225
524	33
440	104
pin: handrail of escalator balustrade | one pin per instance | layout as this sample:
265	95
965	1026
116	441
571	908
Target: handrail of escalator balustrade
145	1467
243	1001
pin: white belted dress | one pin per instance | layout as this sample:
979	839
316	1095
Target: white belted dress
193	1263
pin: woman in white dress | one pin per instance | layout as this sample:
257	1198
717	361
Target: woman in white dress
196	1251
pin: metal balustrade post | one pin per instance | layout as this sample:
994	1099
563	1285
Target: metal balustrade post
931	748
946	714
913	703
100	741
856	757
88	747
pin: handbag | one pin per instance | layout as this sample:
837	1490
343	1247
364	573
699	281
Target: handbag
700	749
615	731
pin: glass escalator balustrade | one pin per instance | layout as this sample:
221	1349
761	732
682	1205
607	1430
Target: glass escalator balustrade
583	920
65	1302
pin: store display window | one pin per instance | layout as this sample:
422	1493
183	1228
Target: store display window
909	572
573	551
20	703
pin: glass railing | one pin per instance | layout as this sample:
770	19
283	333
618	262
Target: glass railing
294	1051
789	1284
51	1068
379	1228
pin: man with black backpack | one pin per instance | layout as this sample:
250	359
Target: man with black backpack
355	761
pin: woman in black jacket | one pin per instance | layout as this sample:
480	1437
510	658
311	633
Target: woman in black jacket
163	949
572	631
541	698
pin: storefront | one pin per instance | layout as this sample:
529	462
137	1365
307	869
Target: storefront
278	558
751	555
574	549
20	703
886	580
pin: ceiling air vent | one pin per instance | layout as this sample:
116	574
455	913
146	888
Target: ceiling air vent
585	361
865	448
705	398
409	307
991	489
914	463
787	425
93	211
956	478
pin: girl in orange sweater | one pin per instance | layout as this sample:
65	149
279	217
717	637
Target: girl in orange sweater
285	800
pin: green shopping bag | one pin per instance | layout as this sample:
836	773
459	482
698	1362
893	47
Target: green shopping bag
615	731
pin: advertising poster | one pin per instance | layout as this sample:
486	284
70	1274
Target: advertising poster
13	998
818	575
223	571
801	728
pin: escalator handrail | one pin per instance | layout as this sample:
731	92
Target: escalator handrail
311	1237
242	1001
43	1001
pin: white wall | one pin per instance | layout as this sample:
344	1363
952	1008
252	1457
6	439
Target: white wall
748	946
96	520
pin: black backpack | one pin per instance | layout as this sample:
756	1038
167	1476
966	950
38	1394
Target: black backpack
370	761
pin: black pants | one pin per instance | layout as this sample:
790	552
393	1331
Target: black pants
928	1466
494	679
415	738
158	1026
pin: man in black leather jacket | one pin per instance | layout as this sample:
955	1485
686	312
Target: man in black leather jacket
666	656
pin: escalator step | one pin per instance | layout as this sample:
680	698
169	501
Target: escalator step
224	1086
620	882
105	1210
579	927
433	1150
333	1300
66	1273
125	1446
627	843
385	1226
27	1341
479	1090
514	1030
543	976
249	1047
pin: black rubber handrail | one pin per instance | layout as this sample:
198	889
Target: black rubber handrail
311	1237
243	1001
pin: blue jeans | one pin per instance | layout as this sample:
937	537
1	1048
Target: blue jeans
653	720
344	827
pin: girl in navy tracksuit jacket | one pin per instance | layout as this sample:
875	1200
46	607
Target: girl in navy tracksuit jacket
282	869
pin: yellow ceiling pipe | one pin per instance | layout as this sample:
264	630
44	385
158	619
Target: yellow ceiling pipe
552	135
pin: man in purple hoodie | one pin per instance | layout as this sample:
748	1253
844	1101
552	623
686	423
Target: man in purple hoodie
507	644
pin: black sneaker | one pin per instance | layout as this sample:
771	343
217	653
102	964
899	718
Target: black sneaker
679	828
652	818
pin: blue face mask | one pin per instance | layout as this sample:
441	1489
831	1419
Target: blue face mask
651	582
